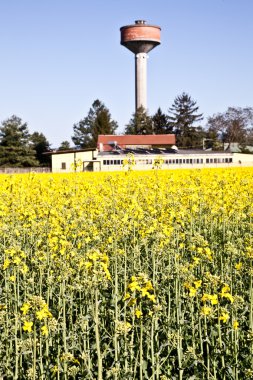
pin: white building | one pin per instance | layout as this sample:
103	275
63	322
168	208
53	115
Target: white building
113	150
74	160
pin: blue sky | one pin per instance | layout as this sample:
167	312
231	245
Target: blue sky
58	56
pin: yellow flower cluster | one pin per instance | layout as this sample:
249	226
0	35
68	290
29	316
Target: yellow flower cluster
35	309
15	258
129	162
140	286
158	162
141	295
96	263
193	288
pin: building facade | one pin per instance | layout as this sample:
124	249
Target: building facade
74	160
144	151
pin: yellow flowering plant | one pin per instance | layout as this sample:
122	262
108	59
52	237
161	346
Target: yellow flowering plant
146	275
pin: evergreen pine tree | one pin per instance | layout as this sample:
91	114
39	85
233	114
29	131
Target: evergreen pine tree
160	123
140	124
97	122
41	145
65	145
15	146
182	115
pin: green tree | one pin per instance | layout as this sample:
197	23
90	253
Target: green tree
182	115
234	125
41	145
212	140
65	145
97	122
140	124
15	146
160	123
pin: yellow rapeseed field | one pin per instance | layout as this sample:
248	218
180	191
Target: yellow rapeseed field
132	275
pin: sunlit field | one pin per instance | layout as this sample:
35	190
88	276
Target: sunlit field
127	275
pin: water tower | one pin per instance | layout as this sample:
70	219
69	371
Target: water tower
140	38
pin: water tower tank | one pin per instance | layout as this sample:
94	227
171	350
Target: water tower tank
140	38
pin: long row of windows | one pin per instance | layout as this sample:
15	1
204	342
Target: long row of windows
175	161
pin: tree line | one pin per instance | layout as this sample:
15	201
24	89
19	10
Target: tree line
19	148
182	119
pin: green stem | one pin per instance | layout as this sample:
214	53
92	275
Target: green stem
251	313
116	315
7	329
220	345
207	351
125	316
179	332
100	367
64	333
16	326
34	350
141	350
152	349
236	354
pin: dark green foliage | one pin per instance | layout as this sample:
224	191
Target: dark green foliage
65	145
15	146
97	122
160	123
40	145
193	138
140	124
182	115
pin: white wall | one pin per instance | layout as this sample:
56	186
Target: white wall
243	158
171	161
69	158
59	159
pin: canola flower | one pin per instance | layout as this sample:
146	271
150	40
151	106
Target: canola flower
130	275
224	317
37	308
44	330
27	326
236	325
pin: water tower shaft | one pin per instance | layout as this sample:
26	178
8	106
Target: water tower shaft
140	38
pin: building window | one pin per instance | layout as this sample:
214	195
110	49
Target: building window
63	165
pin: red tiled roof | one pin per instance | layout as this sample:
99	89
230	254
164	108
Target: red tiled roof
123	140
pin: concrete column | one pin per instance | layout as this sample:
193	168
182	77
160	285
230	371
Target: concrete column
141	80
